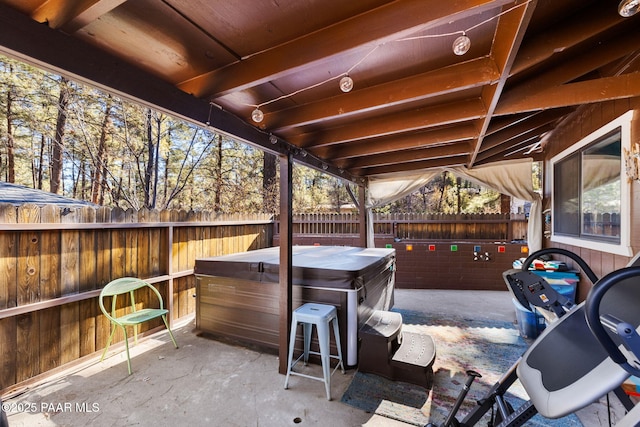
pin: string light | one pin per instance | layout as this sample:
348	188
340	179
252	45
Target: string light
628	8
346	84
460	46
257	115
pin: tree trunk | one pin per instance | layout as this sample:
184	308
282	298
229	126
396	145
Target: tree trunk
150	161
217	200
442	189
156	164
459	203
96	181
269	169
11	171
58	143
40	170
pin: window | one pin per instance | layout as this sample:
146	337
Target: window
590	191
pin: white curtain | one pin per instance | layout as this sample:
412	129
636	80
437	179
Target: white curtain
382	190
513	178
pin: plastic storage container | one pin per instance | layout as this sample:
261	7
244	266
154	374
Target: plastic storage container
530	323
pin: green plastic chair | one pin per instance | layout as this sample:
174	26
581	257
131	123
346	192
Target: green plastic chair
123	286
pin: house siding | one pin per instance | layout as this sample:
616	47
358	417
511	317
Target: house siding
586	120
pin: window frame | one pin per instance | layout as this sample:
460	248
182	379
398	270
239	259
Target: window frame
623	123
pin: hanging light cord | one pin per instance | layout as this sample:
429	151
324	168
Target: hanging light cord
463	32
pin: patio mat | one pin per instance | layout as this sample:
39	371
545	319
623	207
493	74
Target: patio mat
488	347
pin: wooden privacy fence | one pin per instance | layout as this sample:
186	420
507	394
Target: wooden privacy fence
459	227
54	262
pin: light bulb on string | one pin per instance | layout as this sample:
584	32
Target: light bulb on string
346	84
461	45
257	115
628	8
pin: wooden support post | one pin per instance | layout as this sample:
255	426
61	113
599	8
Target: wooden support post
363	215
286	243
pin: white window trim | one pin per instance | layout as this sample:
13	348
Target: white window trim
624	247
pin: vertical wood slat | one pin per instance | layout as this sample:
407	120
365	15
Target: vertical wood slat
28	257
8	259
70	277
49	327
8	298
28	325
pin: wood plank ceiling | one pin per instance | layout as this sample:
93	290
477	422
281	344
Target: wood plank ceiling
414	105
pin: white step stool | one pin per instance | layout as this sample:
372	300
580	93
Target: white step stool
320	315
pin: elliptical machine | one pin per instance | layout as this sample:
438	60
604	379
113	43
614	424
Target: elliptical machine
599	341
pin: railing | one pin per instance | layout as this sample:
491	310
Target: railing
502	227
53	264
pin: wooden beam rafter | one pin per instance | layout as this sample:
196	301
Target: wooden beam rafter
574	94
407	156
508	37
384	24
405	121
447	135
474	73
413	166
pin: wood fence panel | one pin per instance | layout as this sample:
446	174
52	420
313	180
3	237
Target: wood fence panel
28	257
70	251
8	297
87	323
69	333
8	351
143	247
49	342
155	245
88	250
27	344
70	262
8	259
50	255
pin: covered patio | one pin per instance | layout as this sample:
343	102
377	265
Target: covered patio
378	93
211	382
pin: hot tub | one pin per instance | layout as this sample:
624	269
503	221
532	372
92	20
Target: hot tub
237	295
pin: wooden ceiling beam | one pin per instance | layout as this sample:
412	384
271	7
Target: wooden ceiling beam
535	121
601	16
516	141
405	121
474	73
406	156
409	141
508	37
500	123
573	94
387	23
412	166
71	16
506	153
601	54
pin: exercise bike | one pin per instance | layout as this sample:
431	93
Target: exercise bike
598	343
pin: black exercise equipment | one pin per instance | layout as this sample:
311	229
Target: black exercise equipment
568	367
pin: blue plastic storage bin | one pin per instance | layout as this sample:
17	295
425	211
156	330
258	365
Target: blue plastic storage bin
530	324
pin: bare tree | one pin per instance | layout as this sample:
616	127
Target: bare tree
99	162
11	172
58	142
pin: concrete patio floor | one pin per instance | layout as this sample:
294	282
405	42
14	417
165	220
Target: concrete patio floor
211	383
